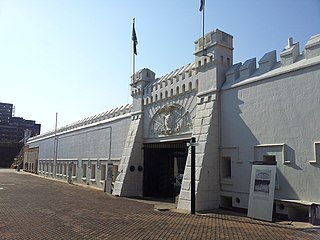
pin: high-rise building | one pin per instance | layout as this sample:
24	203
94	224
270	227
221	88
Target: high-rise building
12	131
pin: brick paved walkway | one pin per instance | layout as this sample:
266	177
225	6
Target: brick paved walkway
38	208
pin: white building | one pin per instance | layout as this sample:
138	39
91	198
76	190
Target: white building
238	113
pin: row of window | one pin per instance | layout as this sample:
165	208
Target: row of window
29	166
267	153
226	171
63	168
113	170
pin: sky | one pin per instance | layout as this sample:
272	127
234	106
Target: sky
74	57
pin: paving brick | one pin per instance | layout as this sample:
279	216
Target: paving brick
37	208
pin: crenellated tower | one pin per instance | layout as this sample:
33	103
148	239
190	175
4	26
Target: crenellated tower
129	180
138	81
213	57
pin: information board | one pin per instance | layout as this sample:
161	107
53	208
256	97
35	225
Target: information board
261	195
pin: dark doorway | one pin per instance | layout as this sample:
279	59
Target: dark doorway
164	165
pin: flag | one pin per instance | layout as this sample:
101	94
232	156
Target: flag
134	39
202	2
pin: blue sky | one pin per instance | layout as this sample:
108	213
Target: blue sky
74	57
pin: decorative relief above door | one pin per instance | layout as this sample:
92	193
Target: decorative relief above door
170	119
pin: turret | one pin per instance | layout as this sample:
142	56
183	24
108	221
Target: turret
138	81
216	54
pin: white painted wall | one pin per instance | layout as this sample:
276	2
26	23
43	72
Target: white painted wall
279	109
88	145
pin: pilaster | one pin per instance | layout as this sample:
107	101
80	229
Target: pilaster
130	178
206	132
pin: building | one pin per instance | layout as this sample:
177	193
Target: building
239	114
12	133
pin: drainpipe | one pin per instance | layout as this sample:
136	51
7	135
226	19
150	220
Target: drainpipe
193	175
108	184
55	150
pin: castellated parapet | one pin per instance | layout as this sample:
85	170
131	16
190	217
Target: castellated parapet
214	51
172	84
290	59
110	115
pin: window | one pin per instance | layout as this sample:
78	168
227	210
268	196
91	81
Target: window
177	90
190	86
114	172
226	167
103	172
93	171
269	158
166	94
171	92
74	169
271	152
84	171
316	153
65	169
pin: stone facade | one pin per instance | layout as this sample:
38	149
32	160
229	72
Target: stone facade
84	148
238	114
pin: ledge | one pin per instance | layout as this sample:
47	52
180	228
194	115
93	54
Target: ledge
297	201
313	162
226	181
84	178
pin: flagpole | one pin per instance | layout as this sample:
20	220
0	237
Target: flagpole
203	28
133	57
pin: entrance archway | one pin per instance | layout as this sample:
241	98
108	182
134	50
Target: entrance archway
164	165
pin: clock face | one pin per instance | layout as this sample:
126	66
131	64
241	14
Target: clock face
169	120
